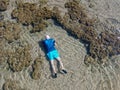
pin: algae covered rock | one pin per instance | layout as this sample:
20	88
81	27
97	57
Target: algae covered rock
10	31
3	5
31	14
1	16
37	68
75	10
89	60
2	53
111	43
19	58
24	13
11	85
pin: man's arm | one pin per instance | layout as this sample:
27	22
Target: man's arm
55	42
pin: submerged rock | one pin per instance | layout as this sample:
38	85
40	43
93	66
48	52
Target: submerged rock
19	58
1	17
3	5
11	85
37	66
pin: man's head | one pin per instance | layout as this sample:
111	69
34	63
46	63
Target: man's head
47	37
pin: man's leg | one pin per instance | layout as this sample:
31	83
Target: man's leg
54	73
53	66
61	65
60	62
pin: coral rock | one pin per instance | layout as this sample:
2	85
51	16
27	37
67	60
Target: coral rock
37	67
11	85
3	5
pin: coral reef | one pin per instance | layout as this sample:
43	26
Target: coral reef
31	14
2	52
24	13
76	22
89	60
1	25
75	10
37	27
19	58
43	2
37	66
9	31
11	85
1	16
11	35
3	5
111	43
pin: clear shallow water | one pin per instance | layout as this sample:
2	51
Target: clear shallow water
79	76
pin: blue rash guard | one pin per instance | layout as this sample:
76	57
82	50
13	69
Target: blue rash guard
52	52
49	44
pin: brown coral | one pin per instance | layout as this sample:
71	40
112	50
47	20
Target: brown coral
1	24
43	2
19	58
89	60
2	53
37	67
10	31
101	48
30	14
1	16
111	43
75	10
1	34
3	5
11	85
24	13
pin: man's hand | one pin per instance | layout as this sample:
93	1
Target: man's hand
55	44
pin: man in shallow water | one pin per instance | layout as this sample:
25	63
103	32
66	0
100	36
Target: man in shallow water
52	54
